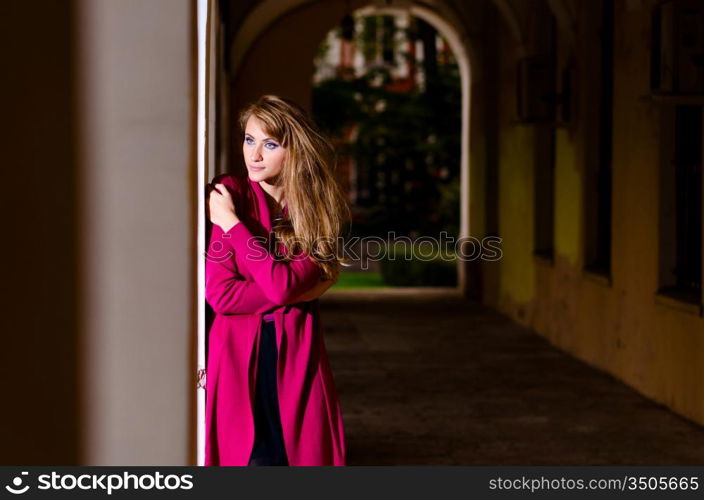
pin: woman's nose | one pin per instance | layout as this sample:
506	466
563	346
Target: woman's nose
256	153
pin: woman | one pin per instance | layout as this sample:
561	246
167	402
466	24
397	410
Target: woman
271	396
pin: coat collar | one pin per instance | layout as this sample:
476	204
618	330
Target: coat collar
263	206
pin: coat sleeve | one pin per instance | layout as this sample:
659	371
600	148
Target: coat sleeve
225	290
279	280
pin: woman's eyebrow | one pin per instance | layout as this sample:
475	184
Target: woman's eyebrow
269	138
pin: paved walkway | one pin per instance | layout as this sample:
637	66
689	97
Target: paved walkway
434	379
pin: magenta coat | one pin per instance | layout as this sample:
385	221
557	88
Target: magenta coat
242	282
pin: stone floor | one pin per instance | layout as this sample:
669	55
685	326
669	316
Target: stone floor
434	379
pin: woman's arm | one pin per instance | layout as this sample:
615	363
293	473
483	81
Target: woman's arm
316	291
225	290
228	293
281	281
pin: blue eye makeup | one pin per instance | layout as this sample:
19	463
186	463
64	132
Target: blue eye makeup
269	145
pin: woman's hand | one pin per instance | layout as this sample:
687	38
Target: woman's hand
315	292
220	208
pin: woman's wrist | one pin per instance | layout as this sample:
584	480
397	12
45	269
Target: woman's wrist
229	223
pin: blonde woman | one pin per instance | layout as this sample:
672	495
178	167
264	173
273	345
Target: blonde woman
272	251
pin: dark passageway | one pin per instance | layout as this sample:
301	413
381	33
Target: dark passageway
434	379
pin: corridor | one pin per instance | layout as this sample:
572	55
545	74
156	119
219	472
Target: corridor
434	379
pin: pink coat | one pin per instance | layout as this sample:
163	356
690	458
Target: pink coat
242	282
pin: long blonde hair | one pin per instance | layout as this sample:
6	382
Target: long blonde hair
317	207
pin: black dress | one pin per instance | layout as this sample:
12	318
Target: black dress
268	446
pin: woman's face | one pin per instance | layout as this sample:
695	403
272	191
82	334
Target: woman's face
263	155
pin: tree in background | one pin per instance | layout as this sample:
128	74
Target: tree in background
396	128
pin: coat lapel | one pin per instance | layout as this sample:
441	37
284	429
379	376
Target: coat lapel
262	205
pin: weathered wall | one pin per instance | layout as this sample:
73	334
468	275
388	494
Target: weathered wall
621	328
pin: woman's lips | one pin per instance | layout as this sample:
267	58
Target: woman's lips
256	168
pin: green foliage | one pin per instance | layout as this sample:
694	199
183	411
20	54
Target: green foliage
335	105
358	279
401	267
450	207
408	143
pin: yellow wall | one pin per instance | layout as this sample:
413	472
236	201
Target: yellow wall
622	329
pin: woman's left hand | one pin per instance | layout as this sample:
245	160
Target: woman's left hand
221	208
315	292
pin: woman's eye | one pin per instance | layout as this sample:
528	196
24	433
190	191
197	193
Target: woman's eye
249	140
271	145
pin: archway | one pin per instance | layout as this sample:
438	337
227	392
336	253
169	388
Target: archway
251	44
